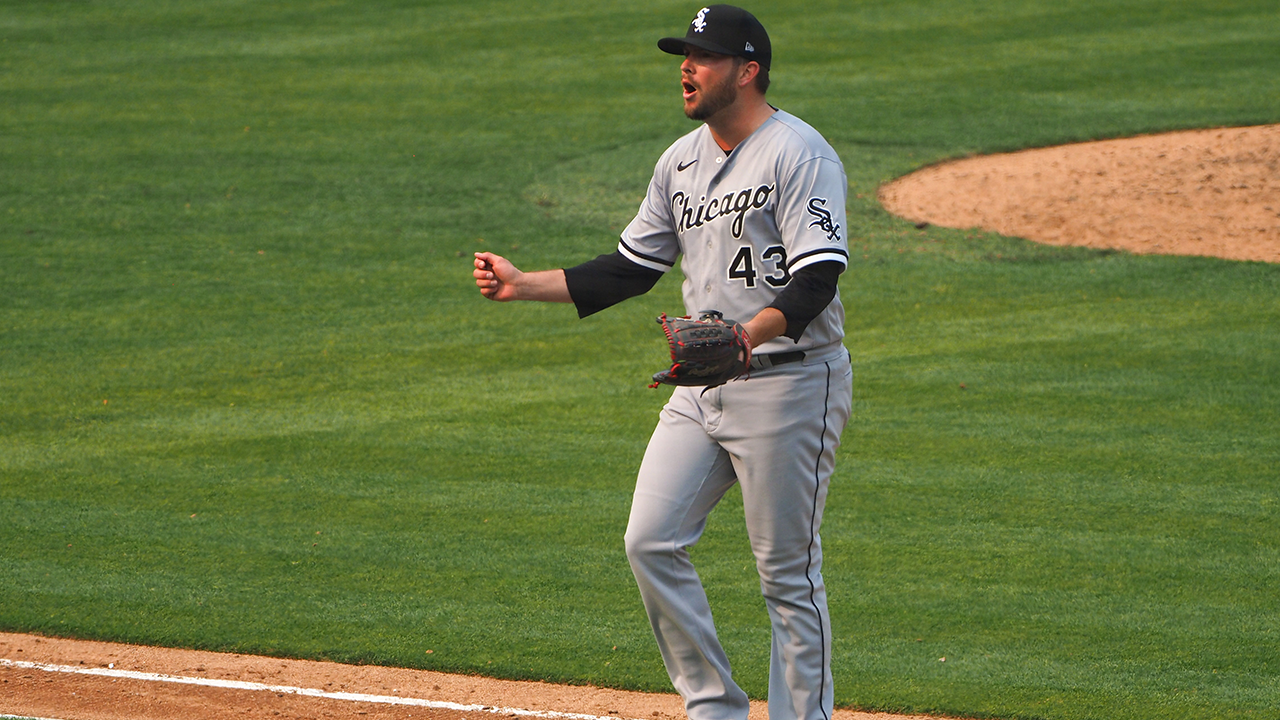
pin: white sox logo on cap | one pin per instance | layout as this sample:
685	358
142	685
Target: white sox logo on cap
700	22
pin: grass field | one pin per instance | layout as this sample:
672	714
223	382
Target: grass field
250	399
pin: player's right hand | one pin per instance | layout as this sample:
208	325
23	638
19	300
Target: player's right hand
496	276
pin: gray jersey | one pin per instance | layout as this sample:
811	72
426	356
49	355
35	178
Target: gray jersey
746	221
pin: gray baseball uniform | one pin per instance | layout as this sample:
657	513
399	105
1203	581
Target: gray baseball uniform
744	223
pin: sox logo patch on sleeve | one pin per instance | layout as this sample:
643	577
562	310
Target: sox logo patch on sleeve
817	208
743	223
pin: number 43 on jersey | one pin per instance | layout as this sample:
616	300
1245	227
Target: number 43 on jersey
773	262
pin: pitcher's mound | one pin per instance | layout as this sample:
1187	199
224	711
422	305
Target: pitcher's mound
1202	192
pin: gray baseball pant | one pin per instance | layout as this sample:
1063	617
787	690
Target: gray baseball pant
775	434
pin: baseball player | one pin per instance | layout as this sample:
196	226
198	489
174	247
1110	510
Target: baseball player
753	200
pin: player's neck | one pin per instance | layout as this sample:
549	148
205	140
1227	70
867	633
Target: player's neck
735	123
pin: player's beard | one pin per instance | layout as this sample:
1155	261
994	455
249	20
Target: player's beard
713	99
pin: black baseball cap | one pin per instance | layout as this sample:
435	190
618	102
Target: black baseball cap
726	30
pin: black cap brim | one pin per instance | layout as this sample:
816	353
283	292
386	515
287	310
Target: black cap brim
676	46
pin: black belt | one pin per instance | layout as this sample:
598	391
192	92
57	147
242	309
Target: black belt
764	362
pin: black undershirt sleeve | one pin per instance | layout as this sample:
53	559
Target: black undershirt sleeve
810	291
606	281
609	279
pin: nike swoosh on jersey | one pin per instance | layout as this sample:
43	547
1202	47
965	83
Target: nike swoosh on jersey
685	166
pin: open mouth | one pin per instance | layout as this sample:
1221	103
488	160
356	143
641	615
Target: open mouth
689	89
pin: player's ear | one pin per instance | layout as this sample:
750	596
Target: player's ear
747	72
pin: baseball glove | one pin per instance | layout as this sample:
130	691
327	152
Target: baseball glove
708	351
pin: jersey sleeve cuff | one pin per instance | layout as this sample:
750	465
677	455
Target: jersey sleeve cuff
804	260
652	262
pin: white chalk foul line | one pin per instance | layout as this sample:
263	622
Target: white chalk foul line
305	692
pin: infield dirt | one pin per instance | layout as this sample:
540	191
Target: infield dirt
27	691
1201	192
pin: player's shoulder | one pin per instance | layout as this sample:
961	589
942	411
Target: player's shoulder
798	139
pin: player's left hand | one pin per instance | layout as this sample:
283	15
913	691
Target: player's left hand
708	351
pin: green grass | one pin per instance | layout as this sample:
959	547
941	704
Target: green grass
251	400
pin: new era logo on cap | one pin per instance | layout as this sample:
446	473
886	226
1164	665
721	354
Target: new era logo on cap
723	29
